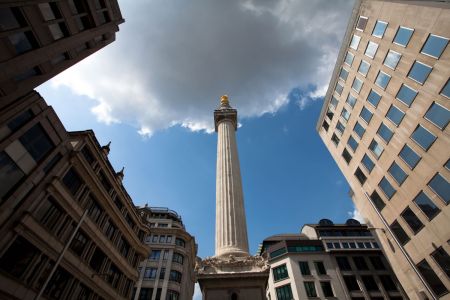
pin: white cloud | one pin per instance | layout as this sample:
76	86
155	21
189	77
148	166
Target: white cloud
197	292
172	61
355	214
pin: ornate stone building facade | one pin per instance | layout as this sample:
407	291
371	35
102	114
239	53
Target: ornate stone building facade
385	122
39	39
168	270
69	228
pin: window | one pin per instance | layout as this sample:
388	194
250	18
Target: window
403	36
87	154
339	88
58	30
373	98
280	272
330	113
49	11
175	276
355	42
395	115
325	125
59	58
162	273
334	102
327	289
441	187
369	283
10	174
397	173
351	100
162	239
360	176
343	263
419	72
366	114
360	263
180	242
411	219
434	46
379	29
304	268
446	89
371	49
284	292
18	257
178	258
364	67
377	201
387	188
382	80
376	148
57	284
367	163
97	260
426	205
310	289
385	133
345	114
155	254
352	143
346	155
320	268
423	137
343	74
94	209
410	157
377	263
20	120
340	127
23	41
335	139
406	95
79	243
150	273
442	259
362	22
37	142
11	18
351	283
357	85
400	234
359	130
431	278
349	58
438	115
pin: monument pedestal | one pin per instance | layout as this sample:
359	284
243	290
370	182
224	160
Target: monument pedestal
233	278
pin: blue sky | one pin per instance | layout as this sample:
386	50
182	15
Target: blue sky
175	59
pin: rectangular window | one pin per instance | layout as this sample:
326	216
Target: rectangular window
367	163
406	95
392	59
379	29
327	289
351	283
412	220
58	30
442	259
343	74
10	174
23	41
355	42
423	137
373	98
410	157
79	243
72	181
438	115
349	58
382	80
426	205
352	143
280	272
310	289
360	263
400	234
441	187
369	283
359	130
362	22
377	263
330	113
304	268
403	36
357	85
339	88
377	201
325	125
366	114
351	100
397	173
364	67
434	46
334	102
18	257
346	155
376	148
155	254
371	49
360	176
150	273
387	188
94	209
320	268
50	214
87	154
11	18
20	120
446	89
385	133
37	142
284	292
395	115
345	114
419	72
431	278
335	139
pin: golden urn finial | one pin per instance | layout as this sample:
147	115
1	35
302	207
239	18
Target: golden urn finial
224	101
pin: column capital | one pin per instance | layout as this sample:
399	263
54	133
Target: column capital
223	114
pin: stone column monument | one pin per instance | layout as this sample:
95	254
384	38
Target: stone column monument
232	274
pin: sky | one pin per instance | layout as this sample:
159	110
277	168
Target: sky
153	91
